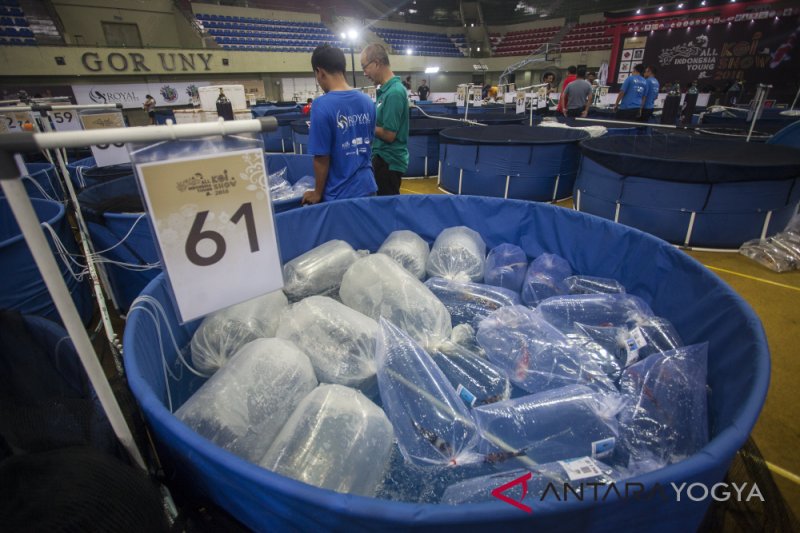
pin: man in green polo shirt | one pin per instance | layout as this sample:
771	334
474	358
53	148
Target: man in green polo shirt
390	147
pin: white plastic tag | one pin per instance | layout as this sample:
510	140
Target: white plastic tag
580	468
603	448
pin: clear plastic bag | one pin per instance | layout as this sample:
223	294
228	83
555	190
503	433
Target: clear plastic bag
408	482
335	439
431	422
506	265
594	310
279	187
243	406
464	335
408	249
574	472
769	254
554	425
469	303
318	271
222	334
535	356
458	253
378	287
306	183
593	285
665	418
339	341
476	380
545	279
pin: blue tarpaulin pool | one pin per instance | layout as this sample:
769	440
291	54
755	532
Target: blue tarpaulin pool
693	191
21	285
300	136
513	161
280	140
119	228
667	279
42	181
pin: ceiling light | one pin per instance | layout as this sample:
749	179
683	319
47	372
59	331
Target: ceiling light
479	48
680	6
661	8
638	11
703	3
344	36
431	70
353	34
409	51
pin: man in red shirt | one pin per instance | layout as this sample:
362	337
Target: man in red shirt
572	71
307	108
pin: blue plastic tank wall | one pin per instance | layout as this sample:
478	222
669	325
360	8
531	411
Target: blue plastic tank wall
21	285
42	181
709	215
297	166
788	136
300	136
124	237
738	372
280	140
85	173
268	110
162	115
538	172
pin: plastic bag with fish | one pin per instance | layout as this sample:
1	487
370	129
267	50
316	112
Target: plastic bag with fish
545	279
554	425
306	183
469	303
593	285
279	187
458	253
573	472
378	287
223	333
535	356
563	312
408	249
666	414
506	265
476	380
339	341
465	335
318	271
244	405
335	439
431	422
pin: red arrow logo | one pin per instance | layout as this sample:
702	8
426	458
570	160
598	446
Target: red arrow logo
498	492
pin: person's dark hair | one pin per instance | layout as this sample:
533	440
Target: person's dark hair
548	73
309	100
572	69
376	52
581	72
639	67
653	69
328	58
148	96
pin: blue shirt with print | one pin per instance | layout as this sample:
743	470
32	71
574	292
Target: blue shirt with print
652	92
634	88
342	127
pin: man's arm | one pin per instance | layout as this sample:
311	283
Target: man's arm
322	163
588	104
385	135
563	101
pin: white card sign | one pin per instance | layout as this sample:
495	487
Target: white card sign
65	120
17	121
461	96
106	154
214	227
477	99
520	102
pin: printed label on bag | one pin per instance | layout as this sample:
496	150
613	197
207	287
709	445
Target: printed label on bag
603	448
580	468
466	395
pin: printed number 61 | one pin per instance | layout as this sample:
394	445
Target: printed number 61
197	234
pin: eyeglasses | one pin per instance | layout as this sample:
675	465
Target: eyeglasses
364	67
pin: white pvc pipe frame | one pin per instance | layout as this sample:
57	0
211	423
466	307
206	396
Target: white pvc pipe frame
34	236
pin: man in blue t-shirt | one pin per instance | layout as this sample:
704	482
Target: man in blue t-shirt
340	134
651	94
631	95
